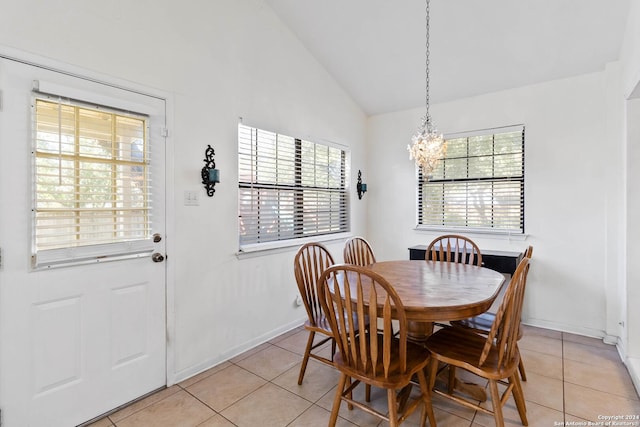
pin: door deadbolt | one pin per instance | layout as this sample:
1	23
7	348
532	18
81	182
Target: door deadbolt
157	257
157	237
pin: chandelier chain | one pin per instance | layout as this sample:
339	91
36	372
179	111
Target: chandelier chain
427	116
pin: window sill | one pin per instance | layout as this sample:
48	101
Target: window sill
480	234
262	249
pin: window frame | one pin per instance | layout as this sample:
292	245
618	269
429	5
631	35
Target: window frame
297	236
470	229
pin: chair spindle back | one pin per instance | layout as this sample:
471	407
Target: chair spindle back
454	248
309	263
350	292
358	251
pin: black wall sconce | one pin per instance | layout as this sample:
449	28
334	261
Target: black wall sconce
360	187
210	175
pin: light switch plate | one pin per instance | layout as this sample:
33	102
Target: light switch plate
191	198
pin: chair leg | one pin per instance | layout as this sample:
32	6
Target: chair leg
393	407
518	396
497	404
367	392
427	411
337	400
433	372
452	379
305	359
403	397
523	374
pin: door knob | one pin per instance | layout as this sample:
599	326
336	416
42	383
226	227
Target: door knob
157	257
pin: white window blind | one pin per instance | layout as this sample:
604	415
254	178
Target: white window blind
289	188
478	185
92	186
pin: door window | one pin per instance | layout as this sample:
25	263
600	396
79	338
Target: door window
91	182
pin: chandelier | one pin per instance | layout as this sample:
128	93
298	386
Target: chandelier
427	145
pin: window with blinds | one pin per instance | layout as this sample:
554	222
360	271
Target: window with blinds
478	185
289	188
91	178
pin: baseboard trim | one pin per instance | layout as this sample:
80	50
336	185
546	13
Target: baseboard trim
572	329
231	353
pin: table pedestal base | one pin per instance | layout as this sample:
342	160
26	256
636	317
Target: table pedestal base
418	332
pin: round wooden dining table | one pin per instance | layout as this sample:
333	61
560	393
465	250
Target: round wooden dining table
433	291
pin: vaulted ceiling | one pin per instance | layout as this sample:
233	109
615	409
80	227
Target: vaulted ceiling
375	49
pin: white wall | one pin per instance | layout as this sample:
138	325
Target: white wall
566	195
220	60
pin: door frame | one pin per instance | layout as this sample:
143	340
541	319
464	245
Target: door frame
50	64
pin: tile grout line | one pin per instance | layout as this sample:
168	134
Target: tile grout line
205	404
141	399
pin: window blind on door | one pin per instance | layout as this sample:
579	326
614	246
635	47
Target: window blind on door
478	185
289	188
91	178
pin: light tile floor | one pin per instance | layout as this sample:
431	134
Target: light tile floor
570	378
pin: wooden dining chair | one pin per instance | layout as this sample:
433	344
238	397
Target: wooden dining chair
309	263
494	356
358	251
483	322
378	358
454	248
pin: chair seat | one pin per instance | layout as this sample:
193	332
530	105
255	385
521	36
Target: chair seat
480	324
462	347
417	359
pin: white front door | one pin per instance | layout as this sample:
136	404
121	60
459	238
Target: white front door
76	339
